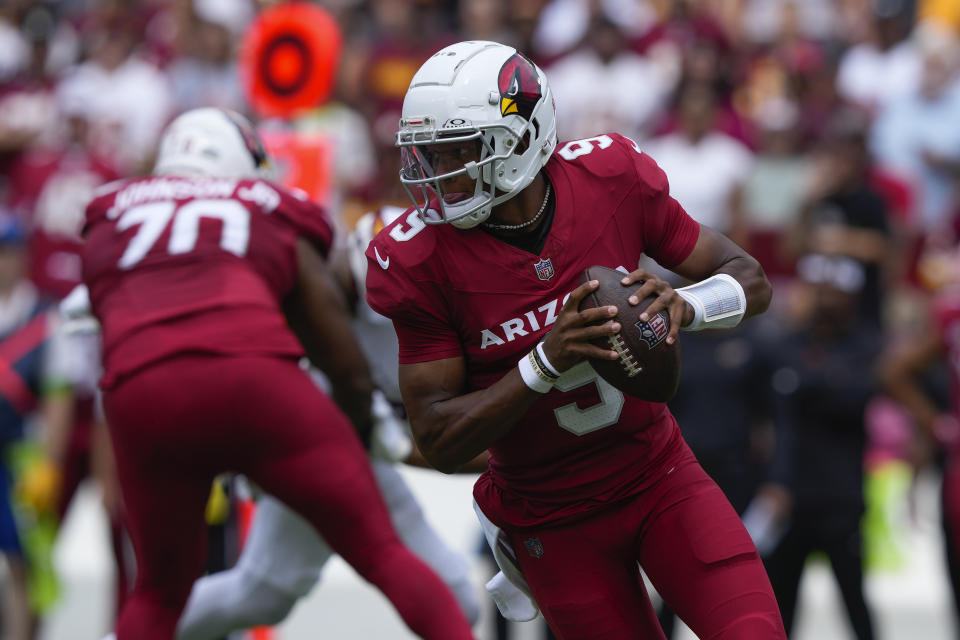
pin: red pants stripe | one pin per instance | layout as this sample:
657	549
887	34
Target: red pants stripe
178	424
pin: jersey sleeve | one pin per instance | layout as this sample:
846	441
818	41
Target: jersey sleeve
669	233
414	302
96	210
309	219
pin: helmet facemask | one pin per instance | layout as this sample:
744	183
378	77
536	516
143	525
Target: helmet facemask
499	164
428	157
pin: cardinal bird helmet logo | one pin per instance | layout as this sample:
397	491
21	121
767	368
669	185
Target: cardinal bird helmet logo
519	85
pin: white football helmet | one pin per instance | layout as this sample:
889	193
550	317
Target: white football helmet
494	101
212	142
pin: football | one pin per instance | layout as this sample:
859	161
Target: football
648	367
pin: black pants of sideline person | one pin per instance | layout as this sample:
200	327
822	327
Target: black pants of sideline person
835	532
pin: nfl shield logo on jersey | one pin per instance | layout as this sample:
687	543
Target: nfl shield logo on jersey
544	269
534	547
654	331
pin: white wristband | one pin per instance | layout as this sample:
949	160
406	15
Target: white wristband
530	377
718	303
543	358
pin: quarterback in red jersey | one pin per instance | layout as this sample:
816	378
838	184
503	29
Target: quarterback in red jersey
481	281
209	283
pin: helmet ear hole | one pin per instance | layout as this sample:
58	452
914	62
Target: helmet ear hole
524	143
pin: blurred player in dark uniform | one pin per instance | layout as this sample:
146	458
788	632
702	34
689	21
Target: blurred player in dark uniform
203	277
584	482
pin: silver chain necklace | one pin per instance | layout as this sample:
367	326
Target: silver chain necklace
522	225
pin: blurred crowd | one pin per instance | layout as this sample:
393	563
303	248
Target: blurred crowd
821	135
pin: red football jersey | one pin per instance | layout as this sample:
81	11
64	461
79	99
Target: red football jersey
178	265
453	292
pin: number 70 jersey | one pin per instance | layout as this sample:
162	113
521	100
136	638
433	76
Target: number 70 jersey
179	265
465	293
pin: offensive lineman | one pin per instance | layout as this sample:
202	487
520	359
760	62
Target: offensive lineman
203	276
283	557
480	280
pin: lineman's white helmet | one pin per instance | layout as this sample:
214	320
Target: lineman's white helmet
212	142
483	94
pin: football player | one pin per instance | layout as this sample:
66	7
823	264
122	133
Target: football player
209	284
480	278
283	556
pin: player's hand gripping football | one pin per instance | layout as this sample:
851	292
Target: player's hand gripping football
681	313
568	343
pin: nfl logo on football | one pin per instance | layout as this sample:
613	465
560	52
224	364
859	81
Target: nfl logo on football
654	331
544	269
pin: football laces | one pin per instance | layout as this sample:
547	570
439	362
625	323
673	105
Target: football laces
627	360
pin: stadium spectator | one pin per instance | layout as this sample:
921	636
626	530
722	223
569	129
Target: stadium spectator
201	374
563	24
627	91
843	213
403	35
686	24
127	97
763	21
486	20
28	105
774	190
206	74
707	168
918	132
889	53
51	185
